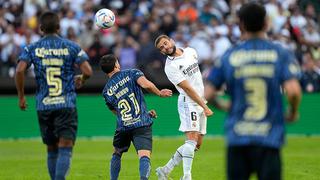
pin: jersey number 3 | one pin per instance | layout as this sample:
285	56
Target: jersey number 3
256	98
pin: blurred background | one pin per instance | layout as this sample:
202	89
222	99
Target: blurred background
208	26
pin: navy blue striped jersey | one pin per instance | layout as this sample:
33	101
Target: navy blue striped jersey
253	72
124	95
54	60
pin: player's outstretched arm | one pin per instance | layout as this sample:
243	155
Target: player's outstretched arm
86	73
150	87
293	92
19	80
194	96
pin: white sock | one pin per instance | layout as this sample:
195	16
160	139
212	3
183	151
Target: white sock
174	161
187	156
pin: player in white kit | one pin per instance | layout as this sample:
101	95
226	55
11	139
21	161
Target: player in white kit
183	71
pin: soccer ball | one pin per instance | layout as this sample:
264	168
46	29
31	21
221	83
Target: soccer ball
104	18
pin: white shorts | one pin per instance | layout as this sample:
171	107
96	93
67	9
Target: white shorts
192	117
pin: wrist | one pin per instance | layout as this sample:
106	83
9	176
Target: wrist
82	78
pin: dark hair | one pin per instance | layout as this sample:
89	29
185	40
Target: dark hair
253	16
156	42
107	63
49	22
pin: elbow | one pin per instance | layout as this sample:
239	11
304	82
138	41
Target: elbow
19	71
88	73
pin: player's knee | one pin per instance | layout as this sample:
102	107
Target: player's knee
117	152
189	148
64	142
142	153
52	148
197	147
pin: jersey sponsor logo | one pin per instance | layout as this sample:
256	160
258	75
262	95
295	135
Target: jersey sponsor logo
131	121
53	100
252	128
239	58
294	68
192	69
81	53
122	82
42	52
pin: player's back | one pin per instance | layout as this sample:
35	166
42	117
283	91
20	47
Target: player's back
54	59
123	94
254	72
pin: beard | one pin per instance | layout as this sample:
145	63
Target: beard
173	51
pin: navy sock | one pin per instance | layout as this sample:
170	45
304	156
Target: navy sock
144	168
51	163
115	166
63	162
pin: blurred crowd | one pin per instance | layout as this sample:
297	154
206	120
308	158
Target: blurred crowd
209	26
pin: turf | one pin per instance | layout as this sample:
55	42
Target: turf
26	159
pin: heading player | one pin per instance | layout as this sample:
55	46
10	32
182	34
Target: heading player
54	59
124	97
254	72
183	71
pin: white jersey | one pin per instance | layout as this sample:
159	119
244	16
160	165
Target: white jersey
185	67
178	69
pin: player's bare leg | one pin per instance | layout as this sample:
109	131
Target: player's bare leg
199	142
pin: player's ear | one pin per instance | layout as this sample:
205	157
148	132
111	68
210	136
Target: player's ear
41	28
267	24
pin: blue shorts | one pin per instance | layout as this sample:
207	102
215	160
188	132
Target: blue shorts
58	123
141	138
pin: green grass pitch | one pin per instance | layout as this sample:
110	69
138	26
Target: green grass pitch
26	159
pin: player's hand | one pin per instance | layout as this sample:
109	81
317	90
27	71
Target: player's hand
291	116
78	80
23	103
165	93
208	112
153	113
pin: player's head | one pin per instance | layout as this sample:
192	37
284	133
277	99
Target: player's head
165	45
49	22
109	63
252	17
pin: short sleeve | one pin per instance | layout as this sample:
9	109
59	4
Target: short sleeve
174	75
135	73
106	99
289	67
194	53
216	75
81	55
25	55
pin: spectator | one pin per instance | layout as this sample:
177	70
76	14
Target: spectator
310	81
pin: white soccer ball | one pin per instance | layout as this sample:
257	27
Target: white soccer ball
104	18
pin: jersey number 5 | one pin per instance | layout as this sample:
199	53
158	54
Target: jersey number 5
54	81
